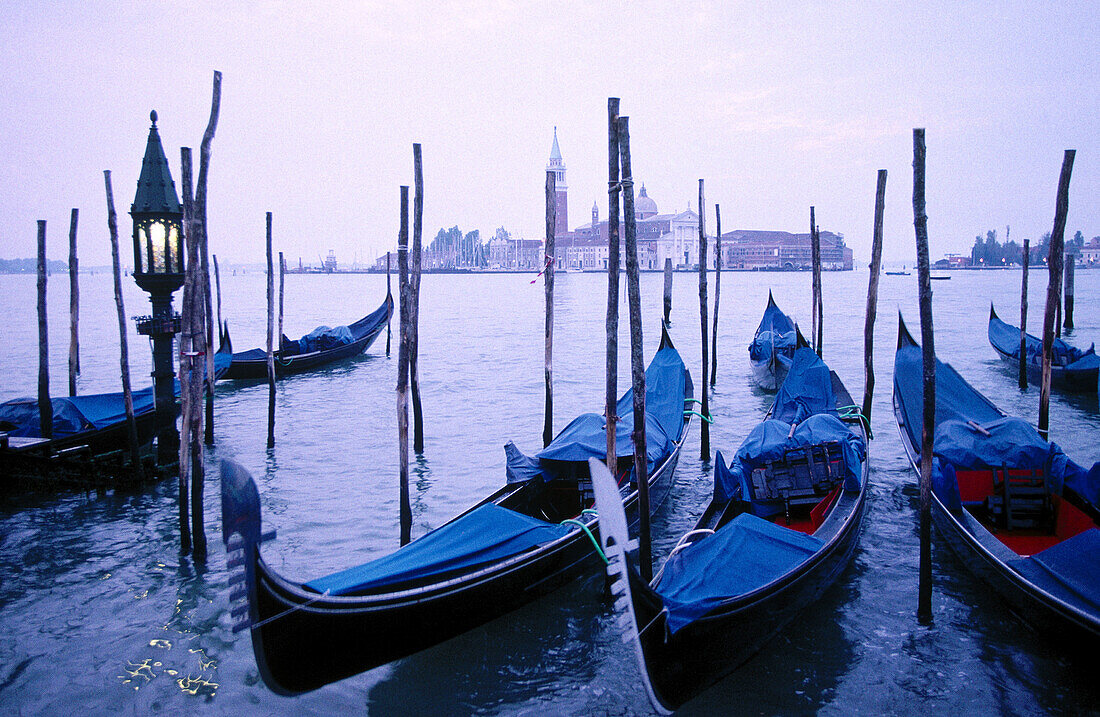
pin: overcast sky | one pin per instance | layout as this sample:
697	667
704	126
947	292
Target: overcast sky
778	106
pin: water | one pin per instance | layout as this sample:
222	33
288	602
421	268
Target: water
98	613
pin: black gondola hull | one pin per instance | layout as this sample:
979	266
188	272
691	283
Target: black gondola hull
366	330
985	556
303	640
682	665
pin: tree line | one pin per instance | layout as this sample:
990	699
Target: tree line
987	251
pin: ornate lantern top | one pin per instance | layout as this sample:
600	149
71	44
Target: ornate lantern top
156	192
157	216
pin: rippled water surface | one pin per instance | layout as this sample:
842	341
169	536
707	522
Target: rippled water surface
98	613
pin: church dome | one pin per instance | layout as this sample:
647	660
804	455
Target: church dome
644	207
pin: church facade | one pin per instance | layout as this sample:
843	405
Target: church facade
675	236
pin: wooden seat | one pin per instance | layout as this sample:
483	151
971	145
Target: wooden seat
1021	501
802	477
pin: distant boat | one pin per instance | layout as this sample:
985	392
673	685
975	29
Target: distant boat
903	272
322	346
939	278
1072	369
772	347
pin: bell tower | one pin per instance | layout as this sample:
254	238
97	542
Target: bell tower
556	166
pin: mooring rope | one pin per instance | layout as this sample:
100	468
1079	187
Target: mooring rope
582	526
286	612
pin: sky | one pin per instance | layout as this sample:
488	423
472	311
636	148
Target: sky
777	106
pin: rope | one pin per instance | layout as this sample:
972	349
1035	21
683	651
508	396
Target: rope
284	613
855	411
582	526
708	419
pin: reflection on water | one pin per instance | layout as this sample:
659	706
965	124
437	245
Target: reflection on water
93	588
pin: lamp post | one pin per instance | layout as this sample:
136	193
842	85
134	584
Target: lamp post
158	269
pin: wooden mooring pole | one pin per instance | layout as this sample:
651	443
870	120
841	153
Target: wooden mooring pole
389	295
704	427
872	302
612	324
414	307
192	348
282	293
548	279
637	364
74	306
218	288
668	290
1054	289
815	249
1023	316
124	357
924	282
717	293
204	281
45	408
270	340
405	299
1071	260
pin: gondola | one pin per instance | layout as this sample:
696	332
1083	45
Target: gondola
1015	509
782	525
92	424
524	540
321	346
1071	368
772	347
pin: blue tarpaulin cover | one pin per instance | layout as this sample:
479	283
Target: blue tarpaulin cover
485	535
768	441
745	554
667	386
806	398
1070	568
73	414
775	329
1007	339
1013	442
808	389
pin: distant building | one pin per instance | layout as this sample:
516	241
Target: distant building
676	236
1090	253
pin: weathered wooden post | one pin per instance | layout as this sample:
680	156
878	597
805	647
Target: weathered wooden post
717	292
613	191
1070	261
548	279
282	292
403	367
815	248
45	408
74	306
389	295
637	364
218	288
924	282
1023	316
872	301
414	285
1054	289
124	360
204	277
704	427
192	350
270	340
668	290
